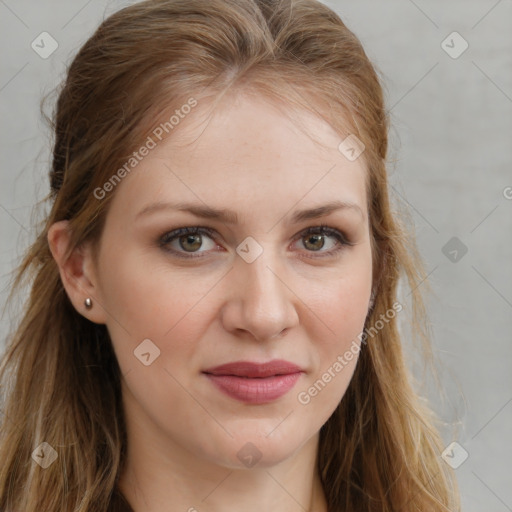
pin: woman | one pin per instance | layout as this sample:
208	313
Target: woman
213	316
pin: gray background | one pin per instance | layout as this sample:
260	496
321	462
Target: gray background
450	165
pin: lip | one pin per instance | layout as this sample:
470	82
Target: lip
255	383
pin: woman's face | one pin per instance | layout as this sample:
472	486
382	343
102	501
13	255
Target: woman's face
250	287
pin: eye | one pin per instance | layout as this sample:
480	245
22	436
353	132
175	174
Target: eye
188	240
318	238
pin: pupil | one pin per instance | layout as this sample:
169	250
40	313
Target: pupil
194	240
316	239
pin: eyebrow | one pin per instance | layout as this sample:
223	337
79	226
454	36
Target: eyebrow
230	217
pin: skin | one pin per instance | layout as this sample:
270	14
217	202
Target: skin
291	303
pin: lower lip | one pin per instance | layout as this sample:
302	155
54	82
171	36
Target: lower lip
255	391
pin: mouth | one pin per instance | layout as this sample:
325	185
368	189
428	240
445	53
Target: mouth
255	383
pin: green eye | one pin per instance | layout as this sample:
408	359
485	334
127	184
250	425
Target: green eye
315	240
197	241
187	240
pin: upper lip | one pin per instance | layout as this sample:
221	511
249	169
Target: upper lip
250	369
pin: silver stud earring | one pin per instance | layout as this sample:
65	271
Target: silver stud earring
88	303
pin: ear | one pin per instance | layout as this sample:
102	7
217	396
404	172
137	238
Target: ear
77	272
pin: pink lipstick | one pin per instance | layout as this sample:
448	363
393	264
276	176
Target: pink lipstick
255	383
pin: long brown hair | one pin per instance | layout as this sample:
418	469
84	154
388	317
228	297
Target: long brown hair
380	450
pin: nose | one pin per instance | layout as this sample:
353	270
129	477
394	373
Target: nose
261	304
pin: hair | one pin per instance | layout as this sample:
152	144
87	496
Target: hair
380	450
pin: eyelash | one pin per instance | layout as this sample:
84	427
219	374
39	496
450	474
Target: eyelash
322	229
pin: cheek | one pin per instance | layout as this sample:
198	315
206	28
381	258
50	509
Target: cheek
340	308
341	304
342	314
149	301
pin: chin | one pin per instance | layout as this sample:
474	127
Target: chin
259	448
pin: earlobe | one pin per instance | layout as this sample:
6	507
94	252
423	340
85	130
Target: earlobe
76	272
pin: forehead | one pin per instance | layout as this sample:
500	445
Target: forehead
249	151
243	121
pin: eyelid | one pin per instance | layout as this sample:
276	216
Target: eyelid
169	236
322	229
329	231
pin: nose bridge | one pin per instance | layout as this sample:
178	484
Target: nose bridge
265	302
263	285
